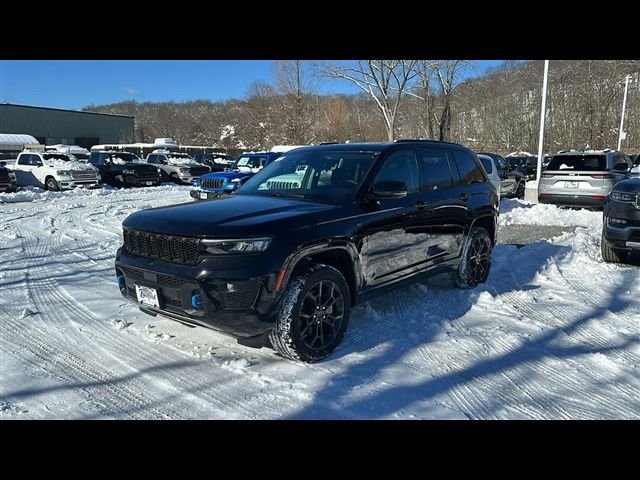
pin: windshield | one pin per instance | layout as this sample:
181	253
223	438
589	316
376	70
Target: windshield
331	177
124	157
585	163
249	162
56	156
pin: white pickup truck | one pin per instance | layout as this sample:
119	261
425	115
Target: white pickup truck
54	171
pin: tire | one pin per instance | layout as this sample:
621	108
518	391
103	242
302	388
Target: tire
51	184
312	338
612	255
119	181
475	262
520	190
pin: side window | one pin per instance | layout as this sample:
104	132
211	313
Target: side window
467	167
400	166
161	159
487	164
36	160
24	160
151	159
435	170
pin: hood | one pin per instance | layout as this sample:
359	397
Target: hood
181	162
239	215
68	165
630	185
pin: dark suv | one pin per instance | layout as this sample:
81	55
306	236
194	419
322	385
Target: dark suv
123	169
621	221
283	259
218	162
7	179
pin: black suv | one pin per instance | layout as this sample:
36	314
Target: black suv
284	258
512	180
621	221
123	169
7	179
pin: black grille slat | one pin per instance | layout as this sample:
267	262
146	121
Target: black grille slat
215	183
162	247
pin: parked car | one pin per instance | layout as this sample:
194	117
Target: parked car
179	167
7	179
218	162
582	179
491	169
512	181
54	171
621	221
283	263
527	164
123	169
246	166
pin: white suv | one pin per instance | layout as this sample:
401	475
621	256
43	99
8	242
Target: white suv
54	171
179	167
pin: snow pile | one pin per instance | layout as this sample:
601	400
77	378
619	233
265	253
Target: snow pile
517	212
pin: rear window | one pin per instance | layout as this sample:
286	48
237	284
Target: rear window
486	163
581	163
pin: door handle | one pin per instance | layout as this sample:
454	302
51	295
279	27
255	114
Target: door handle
465	196
420	205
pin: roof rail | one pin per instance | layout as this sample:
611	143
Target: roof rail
328	143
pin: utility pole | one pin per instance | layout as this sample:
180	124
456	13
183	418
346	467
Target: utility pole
624	105
542	115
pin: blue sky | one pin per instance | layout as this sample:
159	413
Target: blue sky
74	84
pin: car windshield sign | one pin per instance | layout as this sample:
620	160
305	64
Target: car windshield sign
331	177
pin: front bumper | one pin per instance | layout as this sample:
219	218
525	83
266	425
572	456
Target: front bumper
618	235
8	187
205	194
579	201
141	181
69	184
232	302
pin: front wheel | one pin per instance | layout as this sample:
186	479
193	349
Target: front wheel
314	316
52	185
475	262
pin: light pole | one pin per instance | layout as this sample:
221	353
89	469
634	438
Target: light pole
624	105
542	115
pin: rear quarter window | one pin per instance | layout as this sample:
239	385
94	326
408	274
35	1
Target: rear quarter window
467	167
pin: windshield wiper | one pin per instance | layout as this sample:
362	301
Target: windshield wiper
287	195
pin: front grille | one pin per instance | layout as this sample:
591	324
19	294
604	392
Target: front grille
169	248
146	173
132	292
213	183
171	301
132	272
199	171
159	278
83	174
282	185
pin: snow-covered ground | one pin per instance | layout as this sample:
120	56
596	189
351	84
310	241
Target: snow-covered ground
555	333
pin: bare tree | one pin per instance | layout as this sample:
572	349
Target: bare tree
447	74
385	81
295	84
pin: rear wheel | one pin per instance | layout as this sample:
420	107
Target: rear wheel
475	263
520	191
612	255
119	180
314	316
52	185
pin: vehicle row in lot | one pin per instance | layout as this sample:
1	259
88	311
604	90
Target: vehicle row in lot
283	259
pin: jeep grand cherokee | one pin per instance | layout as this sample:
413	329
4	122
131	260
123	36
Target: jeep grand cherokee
283	259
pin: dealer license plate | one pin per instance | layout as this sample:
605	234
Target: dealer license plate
147	296
149	183
203	195
571	184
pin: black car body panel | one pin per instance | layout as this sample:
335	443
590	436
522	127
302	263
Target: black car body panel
621	217
7	180
376	243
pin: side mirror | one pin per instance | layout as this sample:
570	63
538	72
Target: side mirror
38	163
387	190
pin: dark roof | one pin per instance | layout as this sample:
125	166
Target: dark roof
376	146
66	110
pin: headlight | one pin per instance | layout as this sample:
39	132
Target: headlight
184	170
64	173
249	245
623	197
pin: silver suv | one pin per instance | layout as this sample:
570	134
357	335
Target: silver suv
582	178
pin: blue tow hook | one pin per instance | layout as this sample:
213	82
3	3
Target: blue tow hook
196	301
120	281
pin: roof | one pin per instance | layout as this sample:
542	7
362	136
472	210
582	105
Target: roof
378	146
66	110
17	139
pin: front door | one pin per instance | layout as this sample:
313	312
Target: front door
391	231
